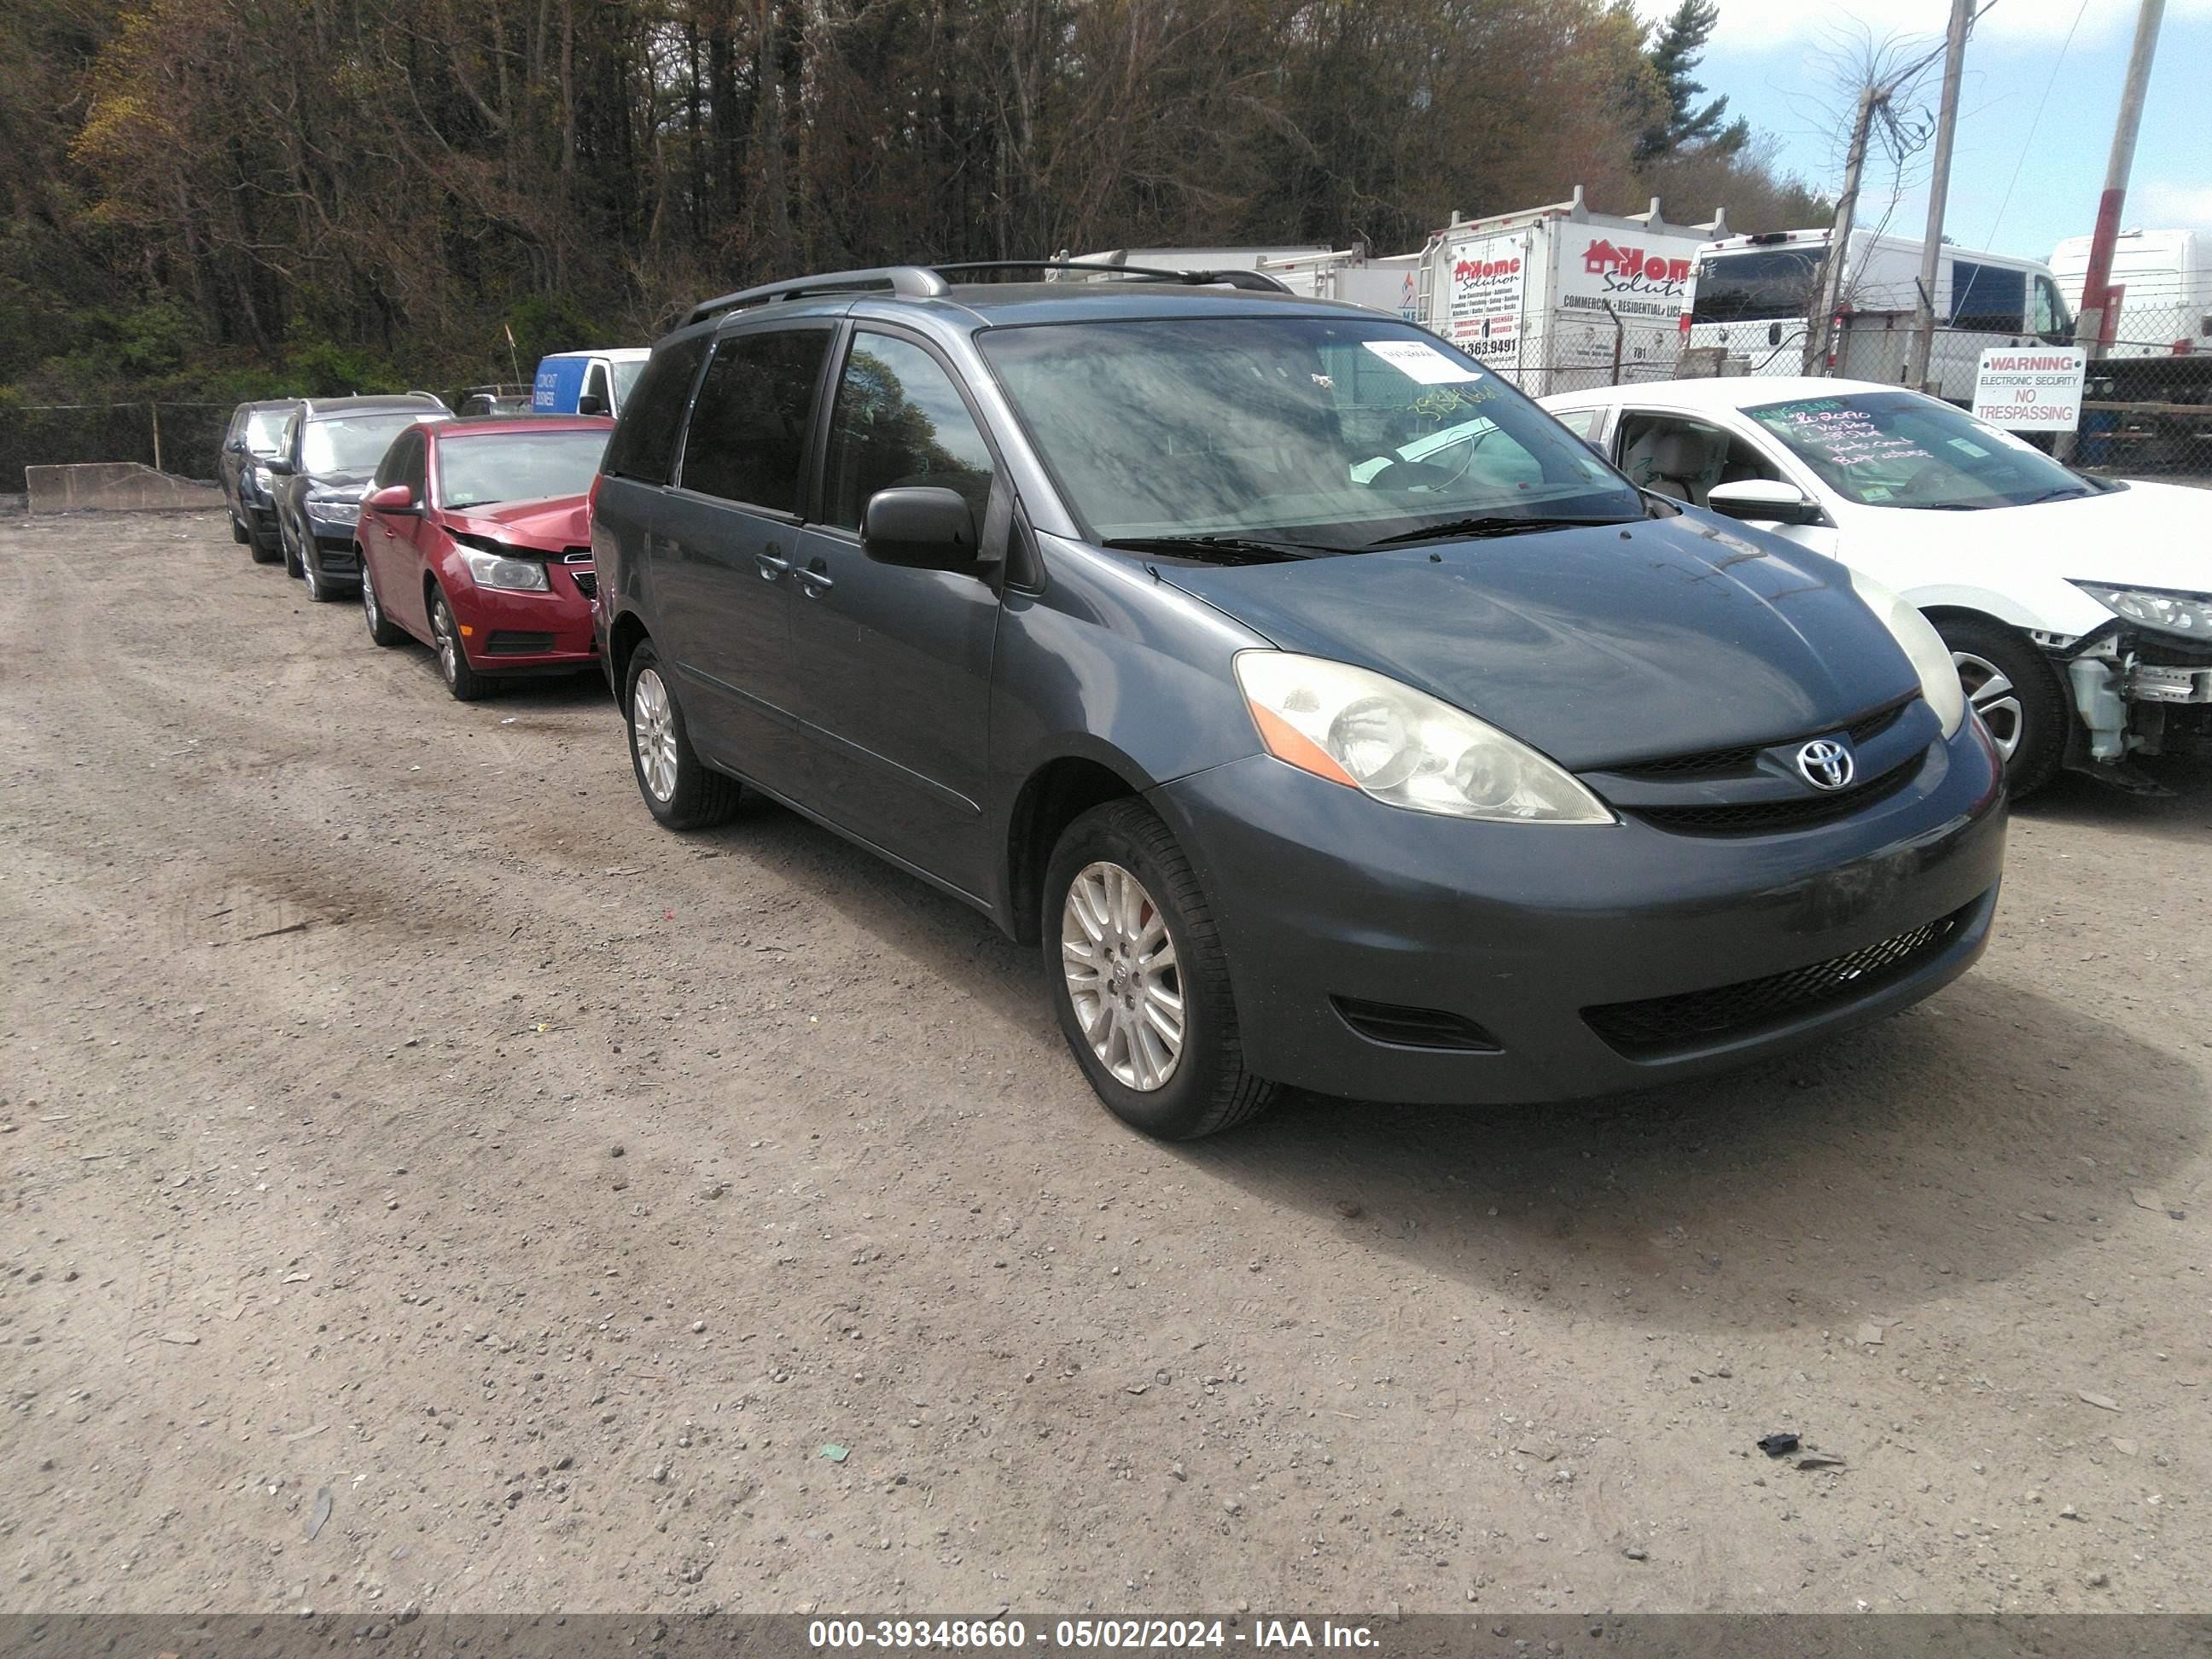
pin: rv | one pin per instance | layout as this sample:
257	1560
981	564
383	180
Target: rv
2156	366
1390	285
1558	298
2161	301
1751	298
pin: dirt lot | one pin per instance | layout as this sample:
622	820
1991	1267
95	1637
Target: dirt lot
388	1109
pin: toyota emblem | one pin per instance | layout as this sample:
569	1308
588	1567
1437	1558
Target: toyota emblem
1825	765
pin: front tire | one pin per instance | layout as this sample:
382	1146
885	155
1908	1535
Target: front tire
2018	697
681	790
463	681
311	566
381	629
238	530
1140	980
293	567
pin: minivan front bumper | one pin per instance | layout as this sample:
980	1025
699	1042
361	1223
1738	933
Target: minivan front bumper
1387	955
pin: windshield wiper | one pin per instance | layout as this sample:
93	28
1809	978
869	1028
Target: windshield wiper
2063	493
1498	524
1223	549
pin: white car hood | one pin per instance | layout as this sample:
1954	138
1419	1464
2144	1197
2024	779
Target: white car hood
2018	563
2147	535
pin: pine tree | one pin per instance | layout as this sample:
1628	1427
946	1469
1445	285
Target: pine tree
1679	123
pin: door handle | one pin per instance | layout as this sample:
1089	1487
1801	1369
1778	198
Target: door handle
770	565
815	583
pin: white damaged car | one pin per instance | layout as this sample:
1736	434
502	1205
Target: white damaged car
2078	608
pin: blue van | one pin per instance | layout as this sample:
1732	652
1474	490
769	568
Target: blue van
586	382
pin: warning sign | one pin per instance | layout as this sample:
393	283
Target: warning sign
2031	388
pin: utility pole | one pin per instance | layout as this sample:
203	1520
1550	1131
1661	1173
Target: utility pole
1872	97
2089	325
1939	194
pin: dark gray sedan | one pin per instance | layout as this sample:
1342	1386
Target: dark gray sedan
1324	712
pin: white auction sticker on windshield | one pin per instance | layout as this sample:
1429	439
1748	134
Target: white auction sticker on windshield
1421	361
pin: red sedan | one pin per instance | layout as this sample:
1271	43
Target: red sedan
476	538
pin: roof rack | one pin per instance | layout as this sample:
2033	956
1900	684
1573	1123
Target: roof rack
927	282
1255	282
908	281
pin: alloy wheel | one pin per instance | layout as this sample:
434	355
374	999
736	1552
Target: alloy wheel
653	729
1122	978
1995	699
449	642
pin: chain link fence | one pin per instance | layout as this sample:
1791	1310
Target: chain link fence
2146	401
184	439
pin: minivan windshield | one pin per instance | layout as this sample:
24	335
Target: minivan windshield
1329	433
1900	449
475	470
353	443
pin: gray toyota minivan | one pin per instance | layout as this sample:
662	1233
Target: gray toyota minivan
1325	712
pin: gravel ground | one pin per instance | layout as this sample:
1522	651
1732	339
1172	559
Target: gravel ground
427	1183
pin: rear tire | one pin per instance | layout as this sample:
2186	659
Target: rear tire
681	790
2014	689
463	681
1128	933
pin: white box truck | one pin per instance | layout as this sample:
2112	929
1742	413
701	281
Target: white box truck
1753	297
1558	298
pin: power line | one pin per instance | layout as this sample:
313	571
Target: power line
2030	143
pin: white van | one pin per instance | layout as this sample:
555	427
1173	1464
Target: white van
1754	296
586	382
2164	279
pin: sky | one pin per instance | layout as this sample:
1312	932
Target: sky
1781	64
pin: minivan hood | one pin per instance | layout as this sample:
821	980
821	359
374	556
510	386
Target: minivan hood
1599	645
339	486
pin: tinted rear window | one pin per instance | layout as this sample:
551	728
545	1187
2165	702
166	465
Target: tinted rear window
748	436
644	444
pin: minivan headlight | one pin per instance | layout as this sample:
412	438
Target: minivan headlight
497	570
1403	747
1922	645
332	512
2186	614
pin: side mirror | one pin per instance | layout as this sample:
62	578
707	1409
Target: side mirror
921	527
1763	501
1597	448
392	498
588	404
279	464
236	446
1774	334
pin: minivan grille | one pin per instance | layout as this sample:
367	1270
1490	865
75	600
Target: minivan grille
1692	1019
1745	817
1739	758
